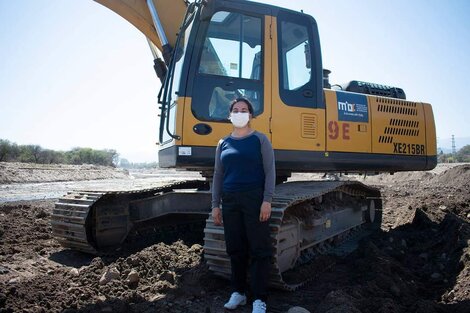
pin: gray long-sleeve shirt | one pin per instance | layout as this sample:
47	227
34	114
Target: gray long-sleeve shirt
242	164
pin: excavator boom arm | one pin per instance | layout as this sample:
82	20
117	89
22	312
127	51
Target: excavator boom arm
137	12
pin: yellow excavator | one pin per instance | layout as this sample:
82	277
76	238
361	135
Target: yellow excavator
209	52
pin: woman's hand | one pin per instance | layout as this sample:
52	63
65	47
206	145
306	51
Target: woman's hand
265	212
217	216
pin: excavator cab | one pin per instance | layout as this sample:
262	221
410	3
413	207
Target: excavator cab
225	63
229	50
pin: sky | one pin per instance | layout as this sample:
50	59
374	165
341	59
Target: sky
75	74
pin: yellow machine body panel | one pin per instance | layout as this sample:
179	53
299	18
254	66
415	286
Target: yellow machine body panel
297	128
189	137
390	130
292	127
186	121
341	135
399	127
136	12
393	126
431	140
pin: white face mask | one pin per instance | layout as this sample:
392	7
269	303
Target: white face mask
239	119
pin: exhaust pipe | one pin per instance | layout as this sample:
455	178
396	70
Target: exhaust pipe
326	78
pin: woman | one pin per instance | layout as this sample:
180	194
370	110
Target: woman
244	179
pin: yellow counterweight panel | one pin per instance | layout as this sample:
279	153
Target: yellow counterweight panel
293	128
136	12
398	127
431	140
345	136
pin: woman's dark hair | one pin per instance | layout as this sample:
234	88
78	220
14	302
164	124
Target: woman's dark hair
245	100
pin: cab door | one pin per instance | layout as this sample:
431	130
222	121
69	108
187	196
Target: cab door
230	62
298	111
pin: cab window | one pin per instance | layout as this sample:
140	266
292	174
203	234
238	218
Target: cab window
297	61
230	65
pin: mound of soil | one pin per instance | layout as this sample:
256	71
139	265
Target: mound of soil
14	172
418	262
458	177
139	278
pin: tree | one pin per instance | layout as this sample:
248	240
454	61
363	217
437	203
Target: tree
36	152
463	155
14	152
114	157
124	163
25	154
72	156
52	157
5	147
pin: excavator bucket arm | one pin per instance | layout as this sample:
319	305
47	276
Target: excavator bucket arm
137	12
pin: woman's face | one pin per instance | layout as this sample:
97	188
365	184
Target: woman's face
240	107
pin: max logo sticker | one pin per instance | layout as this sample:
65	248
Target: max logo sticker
352	107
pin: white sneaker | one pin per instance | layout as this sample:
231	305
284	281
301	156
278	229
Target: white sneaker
236	299
259	306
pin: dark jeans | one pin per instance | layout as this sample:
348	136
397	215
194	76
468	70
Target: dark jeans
247	238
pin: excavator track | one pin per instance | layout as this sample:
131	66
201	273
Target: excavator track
92	221
69	220
310	207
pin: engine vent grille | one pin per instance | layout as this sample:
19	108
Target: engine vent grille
309	126
396	106
401	131
402	128
385	139
399	127
404	123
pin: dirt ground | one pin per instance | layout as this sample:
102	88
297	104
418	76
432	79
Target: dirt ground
14	172
418	262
